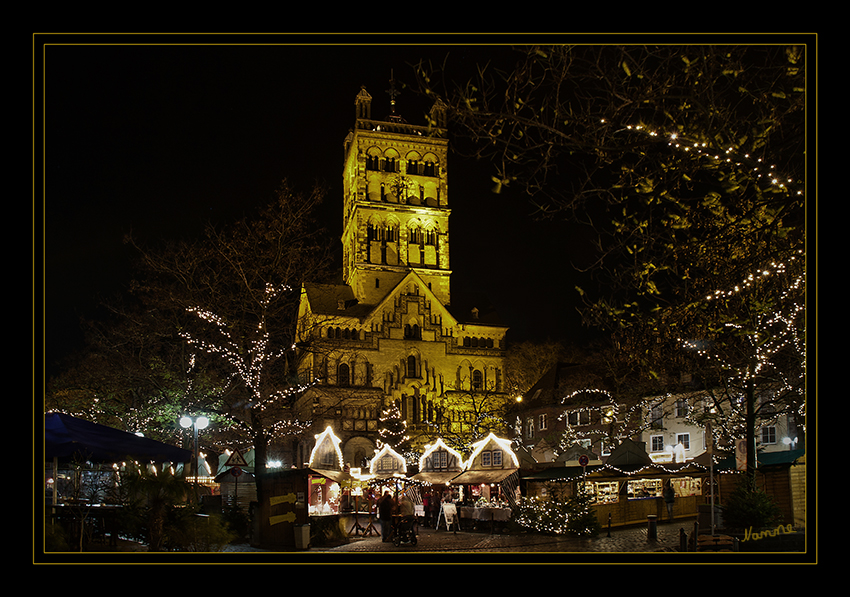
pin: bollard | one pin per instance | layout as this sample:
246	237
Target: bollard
652	527
609	524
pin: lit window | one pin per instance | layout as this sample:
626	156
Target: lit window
657	443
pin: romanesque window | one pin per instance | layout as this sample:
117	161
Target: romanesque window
343	375
477	380
391	165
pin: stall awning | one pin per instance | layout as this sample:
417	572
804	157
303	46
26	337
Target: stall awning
481	476
435	478
338	476
561	473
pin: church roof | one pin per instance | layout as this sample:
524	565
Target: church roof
335	299
338	300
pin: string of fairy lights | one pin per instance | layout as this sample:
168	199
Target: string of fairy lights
732	156
251	366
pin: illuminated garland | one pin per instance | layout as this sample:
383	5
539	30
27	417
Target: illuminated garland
323	438
729	156
504	444
575	516
611	412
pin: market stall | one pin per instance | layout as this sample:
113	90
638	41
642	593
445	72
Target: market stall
627	488
438	465
490	481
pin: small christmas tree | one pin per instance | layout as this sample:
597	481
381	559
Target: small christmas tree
392	429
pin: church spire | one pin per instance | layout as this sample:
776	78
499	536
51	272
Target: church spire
393	93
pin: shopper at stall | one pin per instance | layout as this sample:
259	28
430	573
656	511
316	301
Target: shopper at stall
426	509
669	496
406	506
386	506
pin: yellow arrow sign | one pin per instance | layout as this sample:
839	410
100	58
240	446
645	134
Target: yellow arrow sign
288	517
289	498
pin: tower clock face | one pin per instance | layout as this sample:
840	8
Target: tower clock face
402	187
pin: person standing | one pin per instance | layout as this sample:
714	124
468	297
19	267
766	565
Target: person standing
385	515
426	509
669	496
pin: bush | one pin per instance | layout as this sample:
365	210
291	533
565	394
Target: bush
749	507
189	531
237	521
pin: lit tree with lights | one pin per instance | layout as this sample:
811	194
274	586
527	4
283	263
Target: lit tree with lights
683	168
133	373
233	293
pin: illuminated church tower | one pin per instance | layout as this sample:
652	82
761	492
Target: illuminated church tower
396	208
388	338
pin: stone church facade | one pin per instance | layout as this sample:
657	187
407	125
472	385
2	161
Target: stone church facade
388	336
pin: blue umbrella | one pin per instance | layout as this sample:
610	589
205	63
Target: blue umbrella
67	438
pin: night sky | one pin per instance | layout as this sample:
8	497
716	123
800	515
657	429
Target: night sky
158	139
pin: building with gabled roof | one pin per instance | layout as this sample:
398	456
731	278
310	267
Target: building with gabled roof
389	335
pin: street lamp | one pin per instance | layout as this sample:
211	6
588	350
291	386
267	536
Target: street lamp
196	424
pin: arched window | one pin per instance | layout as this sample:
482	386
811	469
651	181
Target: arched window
343	375
477	380
412	366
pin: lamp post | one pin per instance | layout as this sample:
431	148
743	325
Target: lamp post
196	424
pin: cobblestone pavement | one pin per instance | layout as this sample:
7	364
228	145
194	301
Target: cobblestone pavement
621	540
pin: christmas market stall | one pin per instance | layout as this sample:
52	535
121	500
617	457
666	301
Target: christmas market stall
628	487
490	483
303	505
327	476
438	465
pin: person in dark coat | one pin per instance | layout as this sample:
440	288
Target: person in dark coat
669	496
386	506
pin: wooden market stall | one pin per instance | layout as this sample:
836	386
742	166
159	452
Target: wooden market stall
438	465
627	488
491	483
